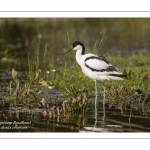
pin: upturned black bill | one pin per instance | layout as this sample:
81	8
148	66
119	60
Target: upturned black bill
67	51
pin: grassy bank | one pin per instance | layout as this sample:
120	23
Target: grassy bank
76	89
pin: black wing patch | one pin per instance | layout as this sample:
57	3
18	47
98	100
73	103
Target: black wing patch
118	75
108	69
99	58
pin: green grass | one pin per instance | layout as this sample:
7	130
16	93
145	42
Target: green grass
77	88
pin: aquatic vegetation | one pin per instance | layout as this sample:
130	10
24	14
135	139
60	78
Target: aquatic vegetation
76	89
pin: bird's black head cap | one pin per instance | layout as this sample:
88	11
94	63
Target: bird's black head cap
79	43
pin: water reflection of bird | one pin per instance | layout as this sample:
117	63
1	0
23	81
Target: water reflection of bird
95	67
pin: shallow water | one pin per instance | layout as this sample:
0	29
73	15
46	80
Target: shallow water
35	120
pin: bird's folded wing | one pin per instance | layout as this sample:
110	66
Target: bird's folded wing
99	64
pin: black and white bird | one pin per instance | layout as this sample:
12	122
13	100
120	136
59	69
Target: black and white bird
95	67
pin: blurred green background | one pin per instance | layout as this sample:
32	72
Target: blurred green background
19	37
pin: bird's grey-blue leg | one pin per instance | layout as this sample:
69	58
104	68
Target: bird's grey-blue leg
96	94
96	91
95	111
104	96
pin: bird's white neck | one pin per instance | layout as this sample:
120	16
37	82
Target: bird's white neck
78	57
